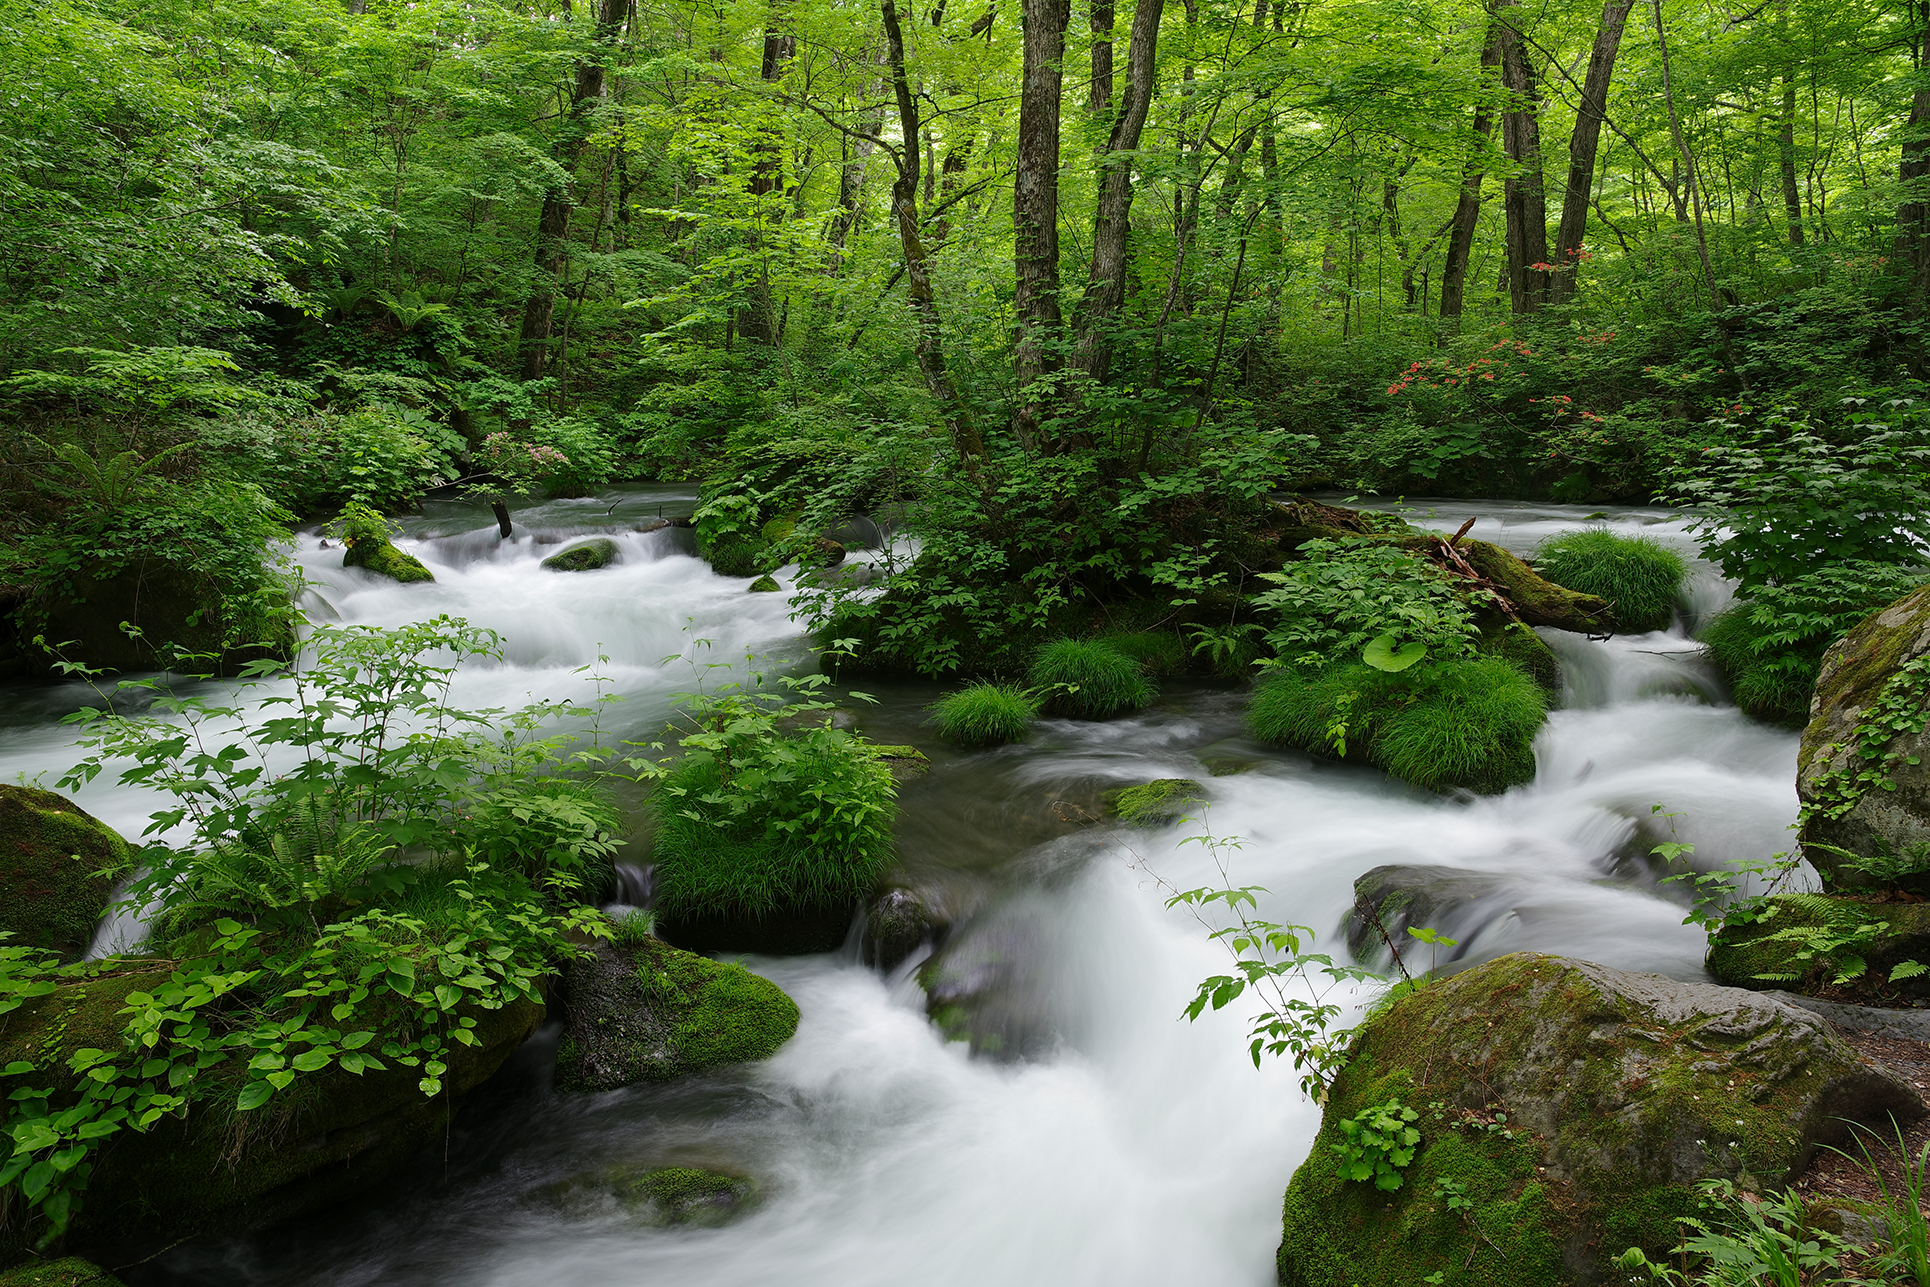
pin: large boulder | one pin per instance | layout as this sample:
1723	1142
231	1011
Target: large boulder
331	1134
376	553
1864	769
1568	1109
586	556
648	1012
57	868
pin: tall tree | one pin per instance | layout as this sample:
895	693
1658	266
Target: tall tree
1524	195
1035	204
1467	209
1582	146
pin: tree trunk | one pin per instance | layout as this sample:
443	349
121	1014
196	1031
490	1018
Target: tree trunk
1913	172
553	226
1106	276
1582	145
1101	18
1523	194
1467	212
926	344
758	319
1792	197
1035	204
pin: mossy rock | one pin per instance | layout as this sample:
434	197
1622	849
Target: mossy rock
765	584
1864	819
734	555
1620	1092
69	1271
1740	954
329	1135
685	1195
1452	901
896	924
1523	647
57	866
905	762
378	554
1150	803
653	1013
175	609
598	552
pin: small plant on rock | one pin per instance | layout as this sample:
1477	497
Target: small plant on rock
1379	1142
985	714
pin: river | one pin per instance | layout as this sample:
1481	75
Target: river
1101	1138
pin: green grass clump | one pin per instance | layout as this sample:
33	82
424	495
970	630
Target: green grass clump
985	714
810	827
1638	575
1769	684
1090	679
1158	652
1462	723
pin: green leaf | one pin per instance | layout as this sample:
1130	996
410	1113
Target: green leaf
254	1095
1383	653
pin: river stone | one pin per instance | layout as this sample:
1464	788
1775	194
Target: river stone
905	762
169	605
57	867
378	555
1452	901
896	924
1741	953
649	1012
1856	672
765	584
1620	1091
598	552
332	1134
686	1195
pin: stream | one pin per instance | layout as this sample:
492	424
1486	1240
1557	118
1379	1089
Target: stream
1087	1134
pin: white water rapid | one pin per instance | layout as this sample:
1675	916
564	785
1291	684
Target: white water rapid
1122	1146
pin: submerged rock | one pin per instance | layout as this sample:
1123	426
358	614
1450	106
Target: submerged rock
1857	833
599	552
650	1012
1151	803
671	1195
378	554
905	762
992	984
57	866
1574	1107
897	923
1450	900
765	585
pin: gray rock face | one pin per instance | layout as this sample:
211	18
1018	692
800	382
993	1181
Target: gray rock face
1866	820
896	924
1450	900
1578	1105
598	552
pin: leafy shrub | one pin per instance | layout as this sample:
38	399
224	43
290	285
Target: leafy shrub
1341	595
1159	652
1468	722
1771	647
984	714
1378	1143
1088	678
381	454
1638	575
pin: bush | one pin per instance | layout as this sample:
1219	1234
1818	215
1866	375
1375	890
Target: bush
1638	575
1159	652
1468	723
1342	594
1089	678
985	714
1770	648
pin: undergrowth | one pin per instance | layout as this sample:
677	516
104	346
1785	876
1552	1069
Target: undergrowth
985	714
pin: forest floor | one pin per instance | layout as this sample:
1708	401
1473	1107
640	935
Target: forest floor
1831	1174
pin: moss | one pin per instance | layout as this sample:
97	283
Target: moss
1158	652
377	554
734	555
1088	679
905	762
1161	800
57	865
70	1271
686	1195
587	557
1523	648
1740	954
1637	575
654	1013
765	585
985	714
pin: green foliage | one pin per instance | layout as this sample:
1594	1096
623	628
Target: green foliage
1831	949
1900	709
366	534
1747	1241
1638	575
632	927
380	453
1906	1229
984	714
1470	722
1341	596
1377	1143
1158	652
1089	679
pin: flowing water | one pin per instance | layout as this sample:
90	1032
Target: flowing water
1084	1133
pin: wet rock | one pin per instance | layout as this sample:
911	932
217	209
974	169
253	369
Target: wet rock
1857	834
1154	803
765	585
896	924
57	868
1881	935
655	524
1576	1106
990	985
377	554
829	553
1450	900
599	552
905	762
171	606
69	1271
1897	1025
671	1195
649	1012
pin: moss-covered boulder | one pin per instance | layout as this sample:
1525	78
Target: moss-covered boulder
174	609
68	1271
905	762
330	1134
376	553
765	584
1572	1107
1449	900
598	552
1807	942
1151	803
57	867
1863	772
686	1195
650	1012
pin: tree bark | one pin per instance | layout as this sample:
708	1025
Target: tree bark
1035	205
1101	19
757	321
1786	148
1523	194
926	344
553	226
1582	146
1106	275
1467	211
1913	172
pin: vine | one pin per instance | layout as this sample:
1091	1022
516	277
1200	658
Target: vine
1900	709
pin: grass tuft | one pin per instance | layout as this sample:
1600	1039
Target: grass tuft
985	714
1638	575
1158	652
1090	679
